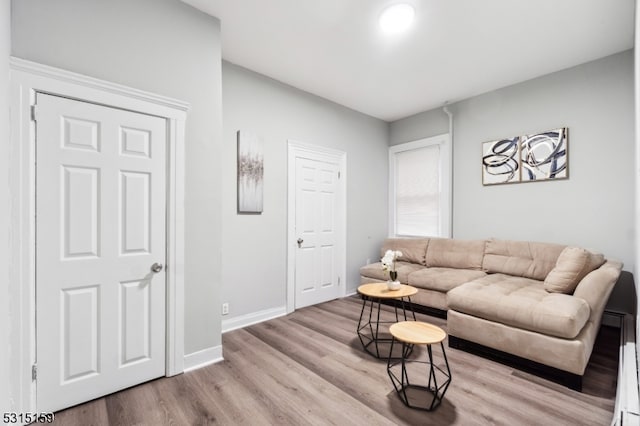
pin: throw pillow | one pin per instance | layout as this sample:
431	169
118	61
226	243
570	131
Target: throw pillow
572	266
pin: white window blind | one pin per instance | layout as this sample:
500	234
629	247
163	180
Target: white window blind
419	188
418	191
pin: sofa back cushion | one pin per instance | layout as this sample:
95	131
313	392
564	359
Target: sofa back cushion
573	265
454	253
413	249
521	258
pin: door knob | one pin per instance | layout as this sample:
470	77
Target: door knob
156	267
300	241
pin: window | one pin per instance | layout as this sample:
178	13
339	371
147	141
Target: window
420	188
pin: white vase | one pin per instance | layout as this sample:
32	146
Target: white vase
393	285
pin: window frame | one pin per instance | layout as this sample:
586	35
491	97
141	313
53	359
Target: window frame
446	178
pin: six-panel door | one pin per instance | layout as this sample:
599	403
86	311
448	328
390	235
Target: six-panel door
316	277
100	208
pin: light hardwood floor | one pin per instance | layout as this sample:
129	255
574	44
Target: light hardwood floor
309	368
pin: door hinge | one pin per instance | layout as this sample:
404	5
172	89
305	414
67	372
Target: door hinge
338	175
338	281
33	113
34	371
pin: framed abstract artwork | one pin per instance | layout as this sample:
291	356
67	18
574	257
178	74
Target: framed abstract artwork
543	156
528	158
250	172
501	161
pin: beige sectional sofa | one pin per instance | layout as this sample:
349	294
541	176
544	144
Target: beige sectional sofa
536	301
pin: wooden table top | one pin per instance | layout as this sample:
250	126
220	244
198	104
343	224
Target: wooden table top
381	291
417	332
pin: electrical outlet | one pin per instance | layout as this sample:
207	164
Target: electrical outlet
225	309
368	261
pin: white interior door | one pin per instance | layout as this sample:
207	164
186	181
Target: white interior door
100	226
316	204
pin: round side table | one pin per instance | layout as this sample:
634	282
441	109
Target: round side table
371	330
417	391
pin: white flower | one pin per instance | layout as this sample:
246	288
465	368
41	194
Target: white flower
389	260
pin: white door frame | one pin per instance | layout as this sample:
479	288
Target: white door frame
300	149
27	79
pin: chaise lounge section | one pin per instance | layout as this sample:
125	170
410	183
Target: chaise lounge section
534	301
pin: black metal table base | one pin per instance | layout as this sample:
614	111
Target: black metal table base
424	396
371	336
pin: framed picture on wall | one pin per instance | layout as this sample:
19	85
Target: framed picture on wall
250	172
543	156
501	161
527	158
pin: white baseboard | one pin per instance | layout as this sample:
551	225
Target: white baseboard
212	355
252	318
202	358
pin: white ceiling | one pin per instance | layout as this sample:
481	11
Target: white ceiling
454	50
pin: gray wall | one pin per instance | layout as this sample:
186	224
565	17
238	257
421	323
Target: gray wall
165	47
254	268
594	208
5	50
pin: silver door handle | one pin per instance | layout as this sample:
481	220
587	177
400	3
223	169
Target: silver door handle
300	241
156	267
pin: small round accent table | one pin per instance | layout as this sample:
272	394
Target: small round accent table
372	331
413	388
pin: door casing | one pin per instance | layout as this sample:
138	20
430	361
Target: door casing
299	149
27	79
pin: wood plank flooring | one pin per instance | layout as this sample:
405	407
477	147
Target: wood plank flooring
309	368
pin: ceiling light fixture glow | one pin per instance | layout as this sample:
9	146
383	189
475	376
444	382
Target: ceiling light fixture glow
396	18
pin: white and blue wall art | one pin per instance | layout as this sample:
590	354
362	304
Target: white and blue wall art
250	172
527	158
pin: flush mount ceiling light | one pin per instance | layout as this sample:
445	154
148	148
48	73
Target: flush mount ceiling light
396	18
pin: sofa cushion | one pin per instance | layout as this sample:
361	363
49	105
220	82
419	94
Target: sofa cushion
521	302
413	249
521	258
573	265
442	279
375	271
453	253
